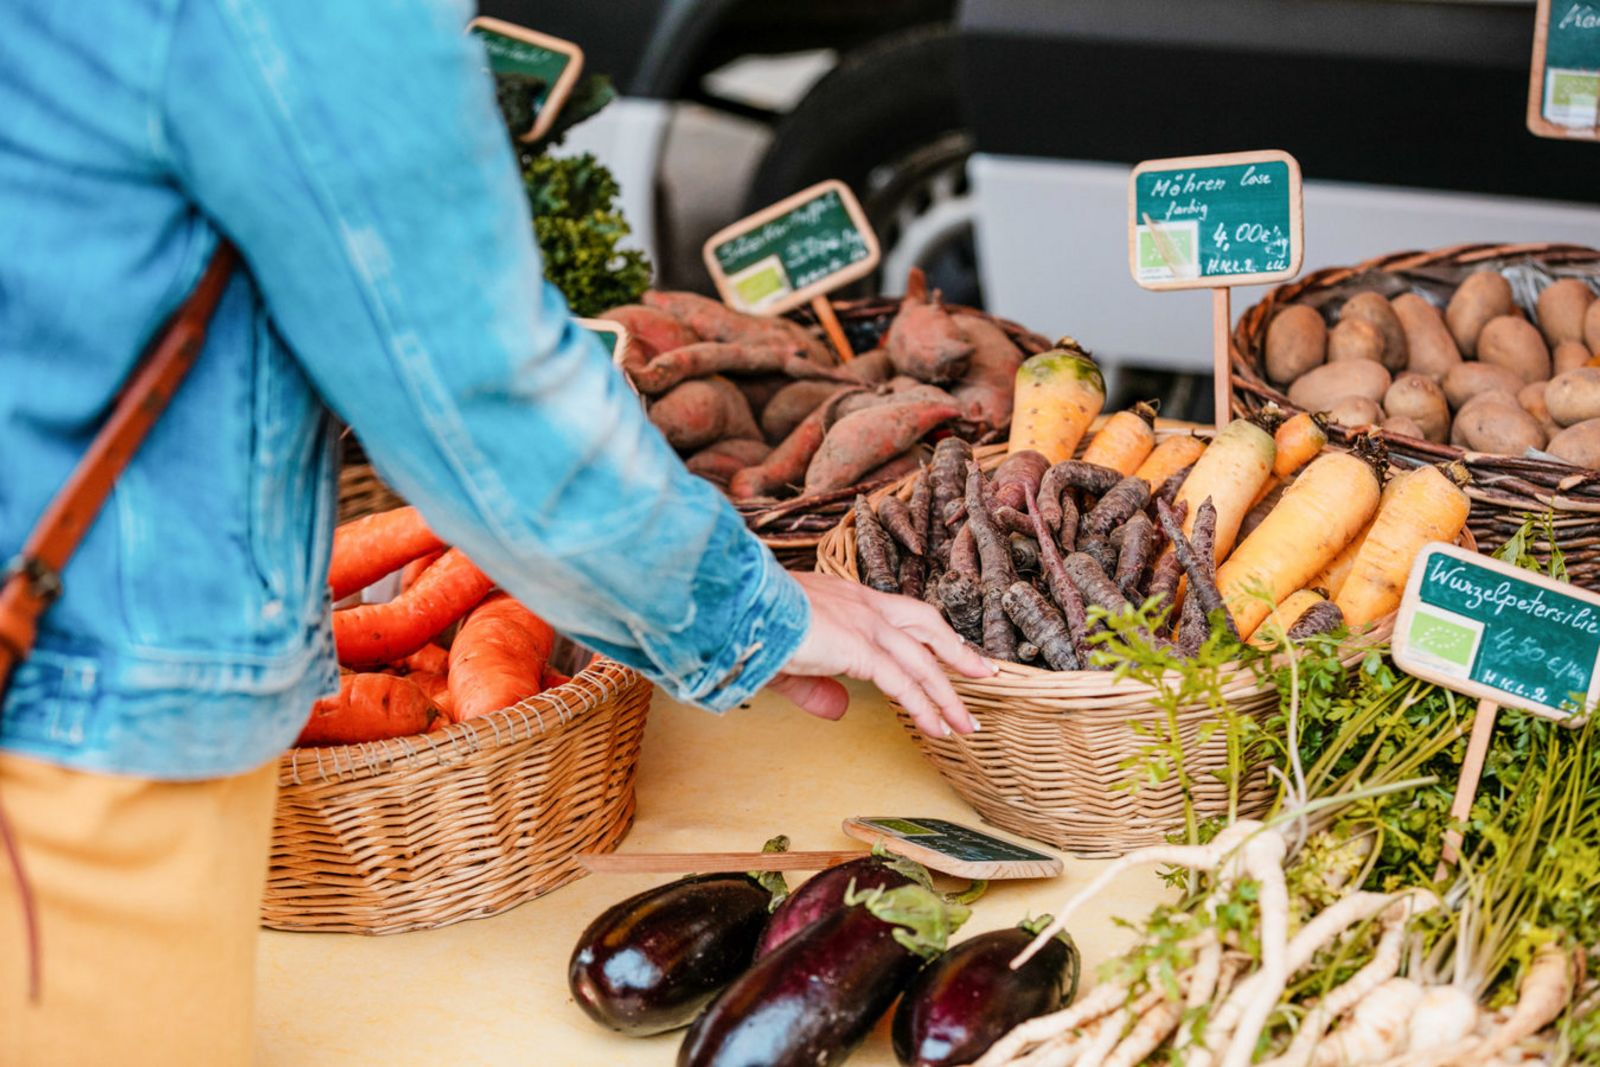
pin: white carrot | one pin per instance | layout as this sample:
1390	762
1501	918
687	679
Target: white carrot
1147	1034
1101	999
1545	991
1263	861
1377	1026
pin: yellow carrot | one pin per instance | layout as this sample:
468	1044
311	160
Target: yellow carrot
1059	393
1299	440
1231	472
1170	457
1317	516
1289	611
1420	506
1333	576
1125	440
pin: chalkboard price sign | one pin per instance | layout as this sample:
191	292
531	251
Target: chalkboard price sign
1564	89
533	71
953	848
799	248
1205	221
1483	627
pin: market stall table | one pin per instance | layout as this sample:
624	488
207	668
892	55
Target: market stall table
494	991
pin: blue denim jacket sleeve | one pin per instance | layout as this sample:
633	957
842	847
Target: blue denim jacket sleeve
354	154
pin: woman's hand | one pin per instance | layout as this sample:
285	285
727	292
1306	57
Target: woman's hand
890	641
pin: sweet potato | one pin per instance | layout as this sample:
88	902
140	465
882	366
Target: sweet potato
870	368
986	390
924	340
792	404
369	707
713	321
896	468
759	389
498	657
857	443
719	462
657	330
701	411
899	390
786	464
1019	474
717	357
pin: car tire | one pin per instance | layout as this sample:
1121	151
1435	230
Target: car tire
887	120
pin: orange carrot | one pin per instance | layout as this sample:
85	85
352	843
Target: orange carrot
429	659
413	570
1298	440
498	657
369	707
374	634
375	545
1125	440
437	689
550	678
1170	457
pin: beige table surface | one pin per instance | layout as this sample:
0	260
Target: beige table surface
494	991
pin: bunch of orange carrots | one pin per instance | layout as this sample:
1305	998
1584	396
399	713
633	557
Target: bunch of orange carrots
398	678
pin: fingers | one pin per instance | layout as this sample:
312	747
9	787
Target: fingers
898	685
929	678
926	624
823	697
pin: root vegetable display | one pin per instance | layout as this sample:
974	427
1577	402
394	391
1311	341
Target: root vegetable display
925	341
369	707
1230	474
710	320
1421	505
370	547
1431	350
1125	440
1355	339
1168	458
371	635
498	658
1297	341
880	563
985	392
1560	309
860	442
1058	394
1483	296
1372	309
719	462
790	406
721	357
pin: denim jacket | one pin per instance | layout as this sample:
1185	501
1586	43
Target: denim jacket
354	154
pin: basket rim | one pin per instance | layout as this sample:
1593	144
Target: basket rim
1250	390
590	690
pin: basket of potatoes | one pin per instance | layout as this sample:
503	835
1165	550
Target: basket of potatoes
1485	353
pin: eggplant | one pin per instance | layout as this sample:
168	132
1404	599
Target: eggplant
816	997
969	997
650	963
823	893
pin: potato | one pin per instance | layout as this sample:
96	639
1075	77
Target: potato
1578	443
1355	339
1561	307
1354	412
1569	355
1515	344
1483	296
1470	379
1591	327
1297	340
1432	351
1405	427
1531	397
1318	389
1373	308
1419	398
1574	397
1498	425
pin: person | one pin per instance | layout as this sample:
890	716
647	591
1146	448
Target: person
354	155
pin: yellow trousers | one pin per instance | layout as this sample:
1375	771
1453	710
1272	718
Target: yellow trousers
149	896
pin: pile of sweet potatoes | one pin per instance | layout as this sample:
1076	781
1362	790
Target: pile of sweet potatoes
397	678
763	408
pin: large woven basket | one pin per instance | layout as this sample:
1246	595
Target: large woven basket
1052	760
425	831
794	528
1504	489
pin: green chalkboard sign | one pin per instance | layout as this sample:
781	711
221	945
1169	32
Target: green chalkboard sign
1564	90
799	248
1480	626
953	848
533	72
1209	221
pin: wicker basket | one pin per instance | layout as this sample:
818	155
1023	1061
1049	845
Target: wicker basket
794	528
1051	761
425	831
1504	489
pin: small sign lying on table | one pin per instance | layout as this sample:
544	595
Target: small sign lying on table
953	849
1564	87
1483	627
547	67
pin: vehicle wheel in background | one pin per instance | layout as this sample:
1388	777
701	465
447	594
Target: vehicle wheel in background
888	121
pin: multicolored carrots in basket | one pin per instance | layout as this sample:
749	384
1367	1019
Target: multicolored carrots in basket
370	547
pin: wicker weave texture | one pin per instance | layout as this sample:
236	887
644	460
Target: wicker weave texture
1504	489
1052	760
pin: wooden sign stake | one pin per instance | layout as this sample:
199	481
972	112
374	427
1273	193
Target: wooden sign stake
1222	363
1467	785
830	324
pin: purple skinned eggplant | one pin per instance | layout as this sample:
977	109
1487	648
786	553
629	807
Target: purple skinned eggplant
823	893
